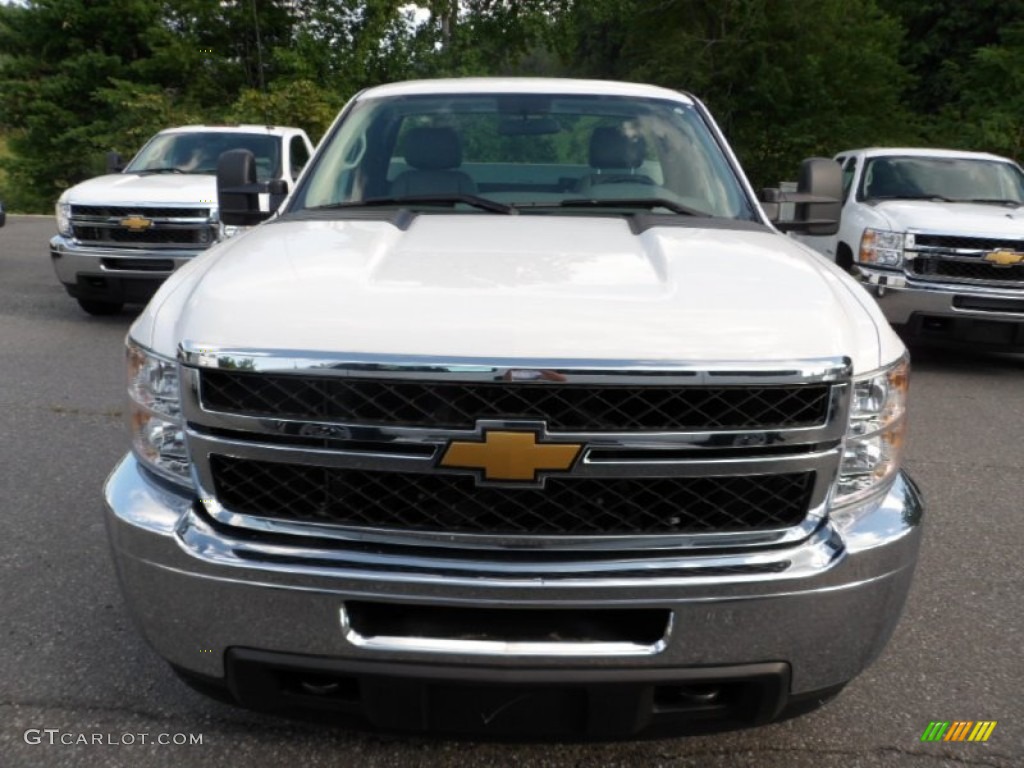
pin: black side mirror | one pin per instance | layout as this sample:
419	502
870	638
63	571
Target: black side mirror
278	189
3	215
238	191
115	163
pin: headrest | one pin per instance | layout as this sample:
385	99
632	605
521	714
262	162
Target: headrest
432	149
611	148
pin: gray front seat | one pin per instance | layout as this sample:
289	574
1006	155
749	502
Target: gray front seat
433	154
614	156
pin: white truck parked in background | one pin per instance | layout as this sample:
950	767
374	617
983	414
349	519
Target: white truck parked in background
938	238
120	235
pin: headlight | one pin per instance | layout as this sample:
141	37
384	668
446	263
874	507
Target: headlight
881	248
874	439
63	213
158	429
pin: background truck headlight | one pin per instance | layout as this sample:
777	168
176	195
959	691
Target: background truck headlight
875	436
881	248
158	429
63	214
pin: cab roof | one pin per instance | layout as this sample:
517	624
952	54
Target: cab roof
540	85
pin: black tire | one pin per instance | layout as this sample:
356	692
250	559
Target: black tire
844	258
100	308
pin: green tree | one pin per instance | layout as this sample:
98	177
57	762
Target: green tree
81	77
942	37
992	102
785	79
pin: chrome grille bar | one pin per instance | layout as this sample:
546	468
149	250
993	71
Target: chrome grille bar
621	456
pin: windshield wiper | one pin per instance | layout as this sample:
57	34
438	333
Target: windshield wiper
474	200
993	201
936	198
646	203
160	169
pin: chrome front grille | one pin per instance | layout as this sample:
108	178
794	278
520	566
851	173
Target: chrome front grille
684	456
452	503
563	407
960	259
169	227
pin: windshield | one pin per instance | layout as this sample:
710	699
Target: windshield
528	152
952	179
197	152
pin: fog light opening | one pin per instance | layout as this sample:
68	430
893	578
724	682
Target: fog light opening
688	695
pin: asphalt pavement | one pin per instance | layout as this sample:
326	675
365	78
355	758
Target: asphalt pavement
72	667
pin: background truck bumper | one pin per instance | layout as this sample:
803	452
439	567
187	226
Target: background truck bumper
272	617
115	274
953	313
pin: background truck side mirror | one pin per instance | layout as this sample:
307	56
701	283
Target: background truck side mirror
823	178
818	199
238	193
115	163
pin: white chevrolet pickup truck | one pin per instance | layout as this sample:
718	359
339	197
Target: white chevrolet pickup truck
120	235
937	236
518	416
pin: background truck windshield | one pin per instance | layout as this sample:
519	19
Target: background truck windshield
197	152
525	150
956	179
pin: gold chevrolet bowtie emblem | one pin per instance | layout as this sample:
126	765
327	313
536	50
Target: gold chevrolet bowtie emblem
136	223
510	456
1004	258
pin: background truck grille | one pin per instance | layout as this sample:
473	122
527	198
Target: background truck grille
966	270
565	506
171	227
958	242
958	258
147	211
563	407
177	236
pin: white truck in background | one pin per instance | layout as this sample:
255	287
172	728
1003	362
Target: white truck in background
119	236
937	236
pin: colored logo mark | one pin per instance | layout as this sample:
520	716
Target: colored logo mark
1003	258
958	730
510	456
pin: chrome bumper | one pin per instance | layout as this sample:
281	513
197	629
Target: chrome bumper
71	260
825	606
901	298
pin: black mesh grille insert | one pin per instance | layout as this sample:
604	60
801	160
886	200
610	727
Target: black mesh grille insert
566	506
964	270
147	211
154	235
972	243
562	406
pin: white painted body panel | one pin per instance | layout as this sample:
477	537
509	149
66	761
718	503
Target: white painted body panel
199	190
537	287
952	218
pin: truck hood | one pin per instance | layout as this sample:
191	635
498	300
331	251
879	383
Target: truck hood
952	218
565	288
144	189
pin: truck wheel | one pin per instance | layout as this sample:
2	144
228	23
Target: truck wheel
100	308
844	257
